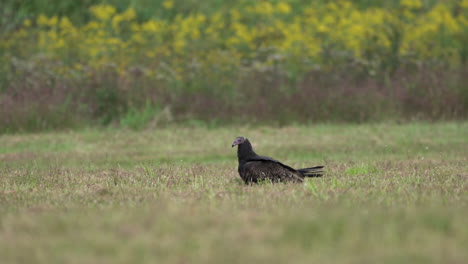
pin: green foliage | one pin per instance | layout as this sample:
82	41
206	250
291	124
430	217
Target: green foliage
138	119
109	103
72	64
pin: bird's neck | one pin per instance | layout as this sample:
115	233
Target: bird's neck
245	151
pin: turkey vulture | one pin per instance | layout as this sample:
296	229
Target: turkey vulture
254	168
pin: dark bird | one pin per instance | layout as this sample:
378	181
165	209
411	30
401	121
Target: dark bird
254	168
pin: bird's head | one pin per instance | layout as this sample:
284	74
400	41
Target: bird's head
238	141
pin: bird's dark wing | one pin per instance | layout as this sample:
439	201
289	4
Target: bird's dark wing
268	159
268	170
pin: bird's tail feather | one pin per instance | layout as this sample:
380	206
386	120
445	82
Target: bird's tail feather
312	172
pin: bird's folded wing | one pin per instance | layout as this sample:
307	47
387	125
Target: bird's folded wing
262	169
268	159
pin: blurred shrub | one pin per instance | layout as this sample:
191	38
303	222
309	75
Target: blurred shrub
282	60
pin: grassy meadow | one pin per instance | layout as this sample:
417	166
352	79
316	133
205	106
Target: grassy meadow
392	193
66	65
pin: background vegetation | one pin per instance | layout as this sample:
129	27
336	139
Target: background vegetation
141	63
391	194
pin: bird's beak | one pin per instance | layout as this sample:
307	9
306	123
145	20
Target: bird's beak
233	145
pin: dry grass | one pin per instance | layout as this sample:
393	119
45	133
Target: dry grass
392	194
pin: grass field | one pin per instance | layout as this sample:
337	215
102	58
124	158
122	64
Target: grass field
391	194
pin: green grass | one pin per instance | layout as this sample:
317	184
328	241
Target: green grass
391	194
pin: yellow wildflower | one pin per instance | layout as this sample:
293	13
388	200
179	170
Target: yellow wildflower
103	12
449	21
168	4
265	8
27	23
138	38
93	25
284	8
151	26
78	66
135	27
464	4
179	45
411	4
65	23
113	41
235	15
42	20
53	21
129	14
52	34
116	22
150	54
60	43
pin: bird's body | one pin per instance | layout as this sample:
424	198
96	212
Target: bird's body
254	168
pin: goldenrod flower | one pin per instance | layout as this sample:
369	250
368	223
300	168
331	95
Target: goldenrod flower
151	26
411	4
129	14
53	21
464	4
434	33
42	20
168	4
284	8
103	12
65	24
27	23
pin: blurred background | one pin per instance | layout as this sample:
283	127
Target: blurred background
141	63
